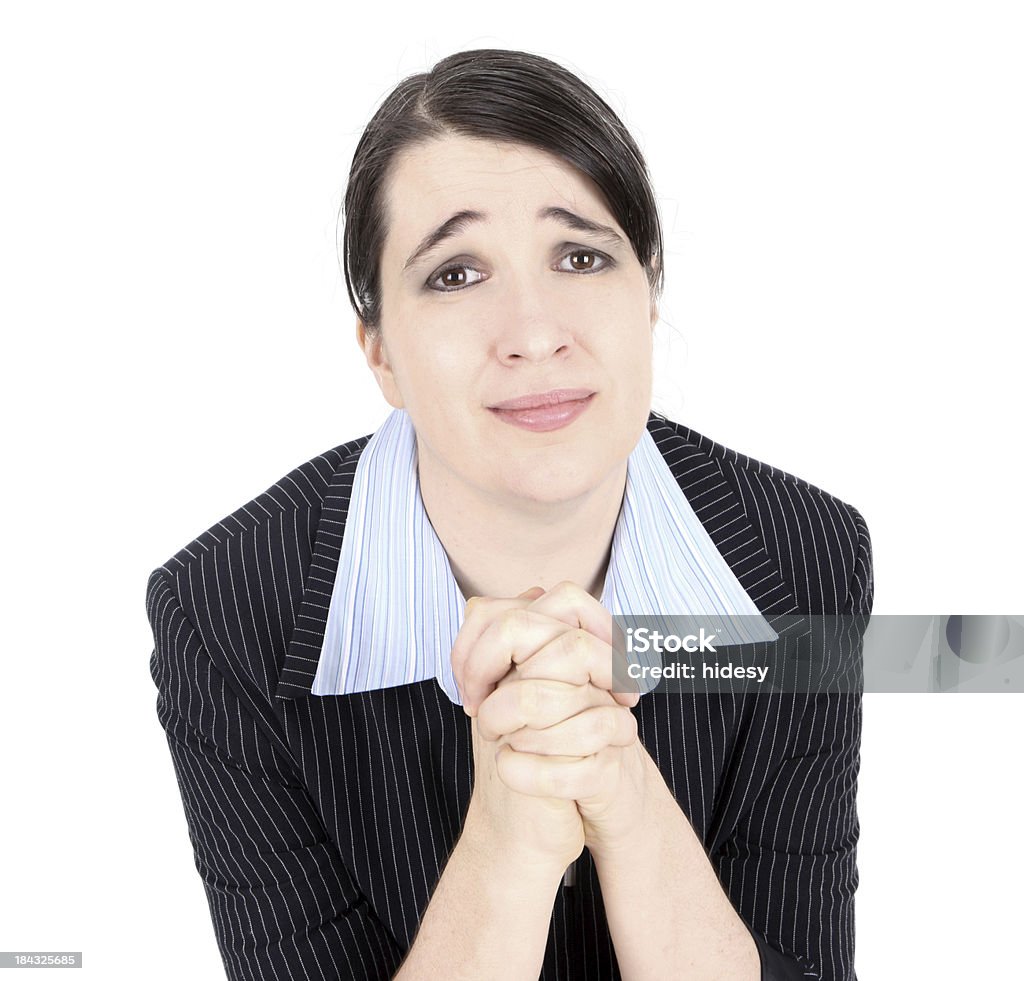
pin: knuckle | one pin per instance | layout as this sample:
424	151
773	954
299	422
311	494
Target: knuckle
502	757
477	605
519	740
601	729
565	588
609	724
505	620
626	727
550	781
634	726
511	623
484	722
468	673
530	698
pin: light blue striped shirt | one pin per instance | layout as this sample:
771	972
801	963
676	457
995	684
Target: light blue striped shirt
396	608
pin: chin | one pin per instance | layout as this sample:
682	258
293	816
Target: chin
562	480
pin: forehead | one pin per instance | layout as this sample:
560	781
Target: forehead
430	181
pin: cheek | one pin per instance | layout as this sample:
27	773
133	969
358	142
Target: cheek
441	377
628	338
418	352
624	311
450	360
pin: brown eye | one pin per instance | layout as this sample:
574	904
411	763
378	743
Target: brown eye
453	278
585	261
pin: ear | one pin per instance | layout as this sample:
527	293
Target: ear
656	266
375	352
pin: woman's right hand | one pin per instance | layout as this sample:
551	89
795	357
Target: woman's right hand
539	831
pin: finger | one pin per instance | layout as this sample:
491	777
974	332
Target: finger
577	657
479	613
573	605
561	777
511	637
520	635
584	734
538	703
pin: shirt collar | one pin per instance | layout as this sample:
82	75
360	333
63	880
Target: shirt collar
395	607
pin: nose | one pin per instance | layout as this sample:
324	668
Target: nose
530	330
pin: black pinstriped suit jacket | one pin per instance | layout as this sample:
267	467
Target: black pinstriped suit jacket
321	825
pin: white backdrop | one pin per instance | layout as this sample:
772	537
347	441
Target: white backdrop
841	195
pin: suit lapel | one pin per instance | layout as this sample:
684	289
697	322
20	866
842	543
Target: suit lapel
721	512
299	668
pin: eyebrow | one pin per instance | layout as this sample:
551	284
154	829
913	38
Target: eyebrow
461	220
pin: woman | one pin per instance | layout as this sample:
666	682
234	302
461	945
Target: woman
380	777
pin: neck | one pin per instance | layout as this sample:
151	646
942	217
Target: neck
500	547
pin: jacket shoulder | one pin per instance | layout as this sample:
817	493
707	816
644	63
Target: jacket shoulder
301	490
739	461
821	543
736	465
223	608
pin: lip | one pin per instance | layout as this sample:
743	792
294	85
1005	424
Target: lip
555	411
554	397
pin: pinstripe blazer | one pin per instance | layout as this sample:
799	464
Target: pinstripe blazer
320	825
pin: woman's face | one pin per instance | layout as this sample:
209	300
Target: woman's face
512	301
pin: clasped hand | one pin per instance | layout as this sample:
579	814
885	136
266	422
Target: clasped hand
536	674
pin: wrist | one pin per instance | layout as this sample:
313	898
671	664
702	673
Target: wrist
633	821
490	846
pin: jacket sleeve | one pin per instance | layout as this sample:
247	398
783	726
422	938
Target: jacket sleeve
793	857
283	904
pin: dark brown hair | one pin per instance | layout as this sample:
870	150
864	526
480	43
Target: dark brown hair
502	95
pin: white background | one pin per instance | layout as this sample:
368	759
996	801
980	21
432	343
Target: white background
842	201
